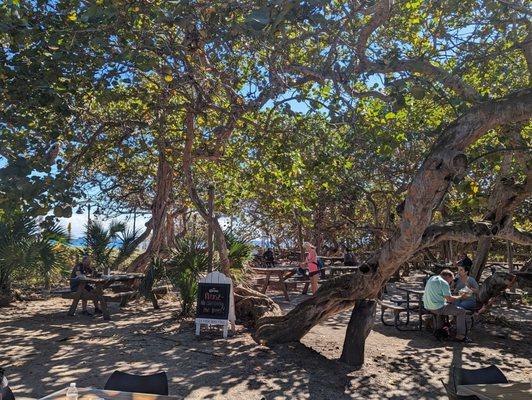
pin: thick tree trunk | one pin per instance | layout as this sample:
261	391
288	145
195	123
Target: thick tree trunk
300	241
481	257
219	237
251	305
6	295
358	329
159	213
445	163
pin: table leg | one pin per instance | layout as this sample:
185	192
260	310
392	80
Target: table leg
98	293
305	288
266	283
283	286
420	304
407	308
75	300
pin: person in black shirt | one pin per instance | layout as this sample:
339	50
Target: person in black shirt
81	270
269	258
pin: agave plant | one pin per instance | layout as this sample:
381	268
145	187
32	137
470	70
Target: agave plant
188	262
103	244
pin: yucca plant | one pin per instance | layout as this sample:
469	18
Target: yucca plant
188	262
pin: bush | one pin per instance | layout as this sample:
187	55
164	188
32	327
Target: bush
188	262
240	252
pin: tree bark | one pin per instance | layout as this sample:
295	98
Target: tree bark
481	257
427	189
358	329
159	212
6	294
219	237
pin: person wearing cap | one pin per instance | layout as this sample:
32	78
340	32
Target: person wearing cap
82	270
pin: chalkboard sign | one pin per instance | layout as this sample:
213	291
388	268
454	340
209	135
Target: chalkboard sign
213	300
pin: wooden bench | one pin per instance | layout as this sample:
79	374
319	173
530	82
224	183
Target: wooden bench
395	308
305	280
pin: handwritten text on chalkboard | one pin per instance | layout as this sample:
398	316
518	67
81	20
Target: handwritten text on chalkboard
213	300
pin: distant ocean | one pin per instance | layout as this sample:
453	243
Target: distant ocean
80	242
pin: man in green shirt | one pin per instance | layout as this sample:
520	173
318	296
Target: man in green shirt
439	301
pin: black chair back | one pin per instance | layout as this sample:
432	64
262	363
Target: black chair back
124	382
487	375
462	376
7	394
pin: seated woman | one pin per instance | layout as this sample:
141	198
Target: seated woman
466	284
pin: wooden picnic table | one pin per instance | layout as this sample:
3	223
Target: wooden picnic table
332	258
499	391
282	274
95	394
417	292
100	284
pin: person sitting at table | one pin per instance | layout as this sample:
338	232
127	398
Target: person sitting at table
438	300
349	258
81	270
269	258
466	284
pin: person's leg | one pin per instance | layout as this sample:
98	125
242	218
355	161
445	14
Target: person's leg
468	304
438	317
314	283
84	305
460	314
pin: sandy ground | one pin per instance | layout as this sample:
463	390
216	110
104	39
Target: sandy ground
43	350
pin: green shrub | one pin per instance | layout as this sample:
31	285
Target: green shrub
240	252
188	262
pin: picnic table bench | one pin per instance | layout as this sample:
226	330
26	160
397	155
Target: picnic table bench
342	269
121	294
282	274
285	276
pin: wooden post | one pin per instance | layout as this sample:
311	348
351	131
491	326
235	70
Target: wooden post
300	241
210	228
510	260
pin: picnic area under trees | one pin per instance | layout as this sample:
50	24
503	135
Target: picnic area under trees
307	168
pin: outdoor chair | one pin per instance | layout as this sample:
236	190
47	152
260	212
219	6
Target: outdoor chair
462	376
152	384
7	394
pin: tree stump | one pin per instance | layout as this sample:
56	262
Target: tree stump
359	327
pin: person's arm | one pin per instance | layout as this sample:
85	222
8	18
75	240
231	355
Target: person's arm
452	299
446	292
473	285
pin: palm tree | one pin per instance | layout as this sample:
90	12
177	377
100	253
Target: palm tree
51	253
25	247
187	263
102	244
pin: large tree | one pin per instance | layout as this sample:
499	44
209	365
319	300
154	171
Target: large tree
453	52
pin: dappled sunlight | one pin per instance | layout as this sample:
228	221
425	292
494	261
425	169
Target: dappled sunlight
46	350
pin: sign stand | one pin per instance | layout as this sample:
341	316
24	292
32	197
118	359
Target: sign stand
216	302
